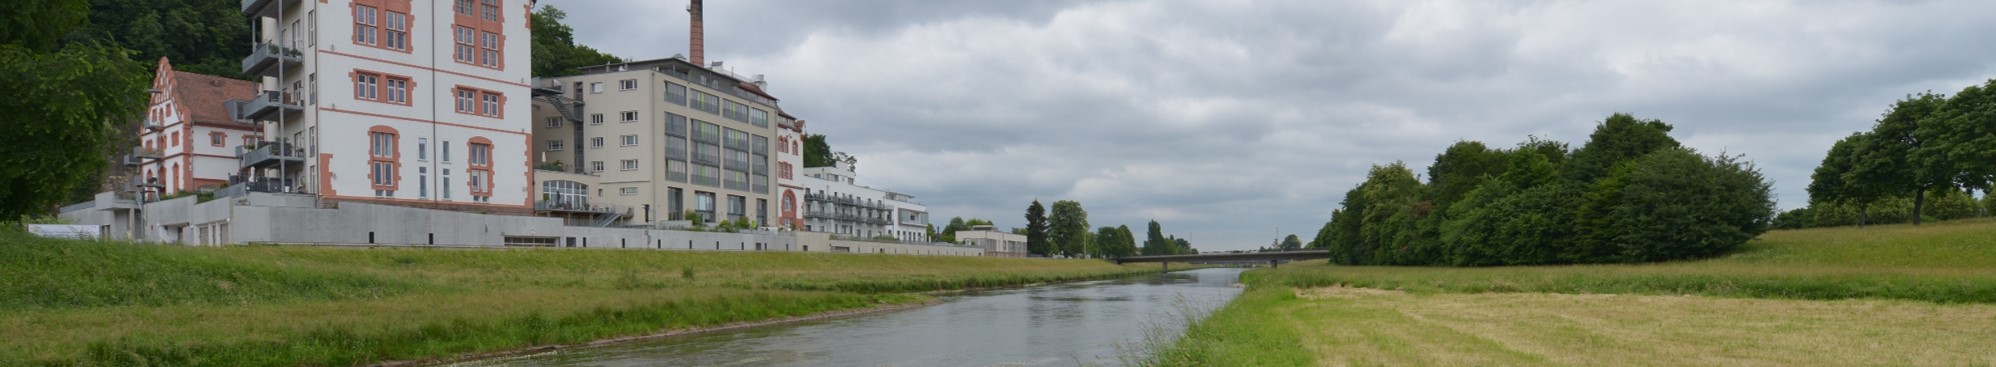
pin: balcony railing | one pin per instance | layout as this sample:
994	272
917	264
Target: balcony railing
263	106
146	153
270	154
265	57
577	206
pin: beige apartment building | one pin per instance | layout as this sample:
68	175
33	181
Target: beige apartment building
660	138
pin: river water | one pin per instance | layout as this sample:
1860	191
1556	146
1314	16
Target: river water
1053	325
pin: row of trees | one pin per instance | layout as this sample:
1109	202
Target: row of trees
1923	145
1631	194
1064	233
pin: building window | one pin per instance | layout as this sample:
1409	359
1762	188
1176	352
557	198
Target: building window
446	156
627	84
383	158
595	119
596	166
491	8
363	24
248	141
481	169
463	7
627	191
398	90
479	102
491	104
554	122
489	45
595	88
706	102
366	86
554	145
629	140
464	98
176	139
675	93
759	117
628	116
629	164
464	48
596	143
422	182
215	138
422	149
783	170
397	35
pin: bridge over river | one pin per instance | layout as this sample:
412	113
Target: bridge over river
1271	258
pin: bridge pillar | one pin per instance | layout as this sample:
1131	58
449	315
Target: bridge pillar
1167	266
1274	263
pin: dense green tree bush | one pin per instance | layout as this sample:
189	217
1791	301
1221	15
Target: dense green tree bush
1631	194
1675	204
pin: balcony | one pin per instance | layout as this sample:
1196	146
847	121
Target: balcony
570	206
265	57
146	153
265	8
270	154
271	102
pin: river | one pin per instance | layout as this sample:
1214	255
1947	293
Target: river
1052	325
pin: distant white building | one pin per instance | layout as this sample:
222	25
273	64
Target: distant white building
834	203
994	243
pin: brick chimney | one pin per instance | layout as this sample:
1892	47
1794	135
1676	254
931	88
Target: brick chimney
698	48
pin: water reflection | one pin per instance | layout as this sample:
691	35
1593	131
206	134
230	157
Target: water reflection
1054	325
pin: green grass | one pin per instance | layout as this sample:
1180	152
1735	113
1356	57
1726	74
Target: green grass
100	303
1901	274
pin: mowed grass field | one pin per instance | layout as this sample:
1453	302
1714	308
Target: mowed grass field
1882	295
99	303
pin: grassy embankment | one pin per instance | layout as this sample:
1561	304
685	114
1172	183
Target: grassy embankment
1896	294
90	303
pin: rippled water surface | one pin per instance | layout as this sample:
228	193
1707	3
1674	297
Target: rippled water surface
1053	325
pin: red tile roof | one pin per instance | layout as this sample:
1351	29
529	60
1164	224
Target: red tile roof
203	95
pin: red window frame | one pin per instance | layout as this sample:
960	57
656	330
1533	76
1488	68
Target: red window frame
479	150
215	138
480	34
479	102
392	158
377	26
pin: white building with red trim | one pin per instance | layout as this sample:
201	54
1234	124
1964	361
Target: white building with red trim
191	134
399	102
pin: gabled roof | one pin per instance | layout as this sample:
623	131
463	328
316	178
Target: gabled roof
204	96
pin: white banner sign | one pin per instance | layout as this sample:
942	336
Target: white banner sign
76	231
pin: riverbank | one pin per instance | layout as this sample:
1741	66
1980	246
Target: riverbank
1895	294
88	303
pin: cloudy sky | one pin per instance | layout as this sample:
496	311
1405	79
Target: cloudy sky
1231	122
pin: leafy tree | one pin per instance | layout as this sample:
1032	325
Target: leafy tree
1674	204
1345	224
818	153
1895	159
949	230
1292	243
1126	243
65	99
1154	242
1067	228
1461	168
1181	246
1323	239
1394	206
207	37
1036	230
1965	130
1831	181
1109	243
555	52
1619	138
1797	218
